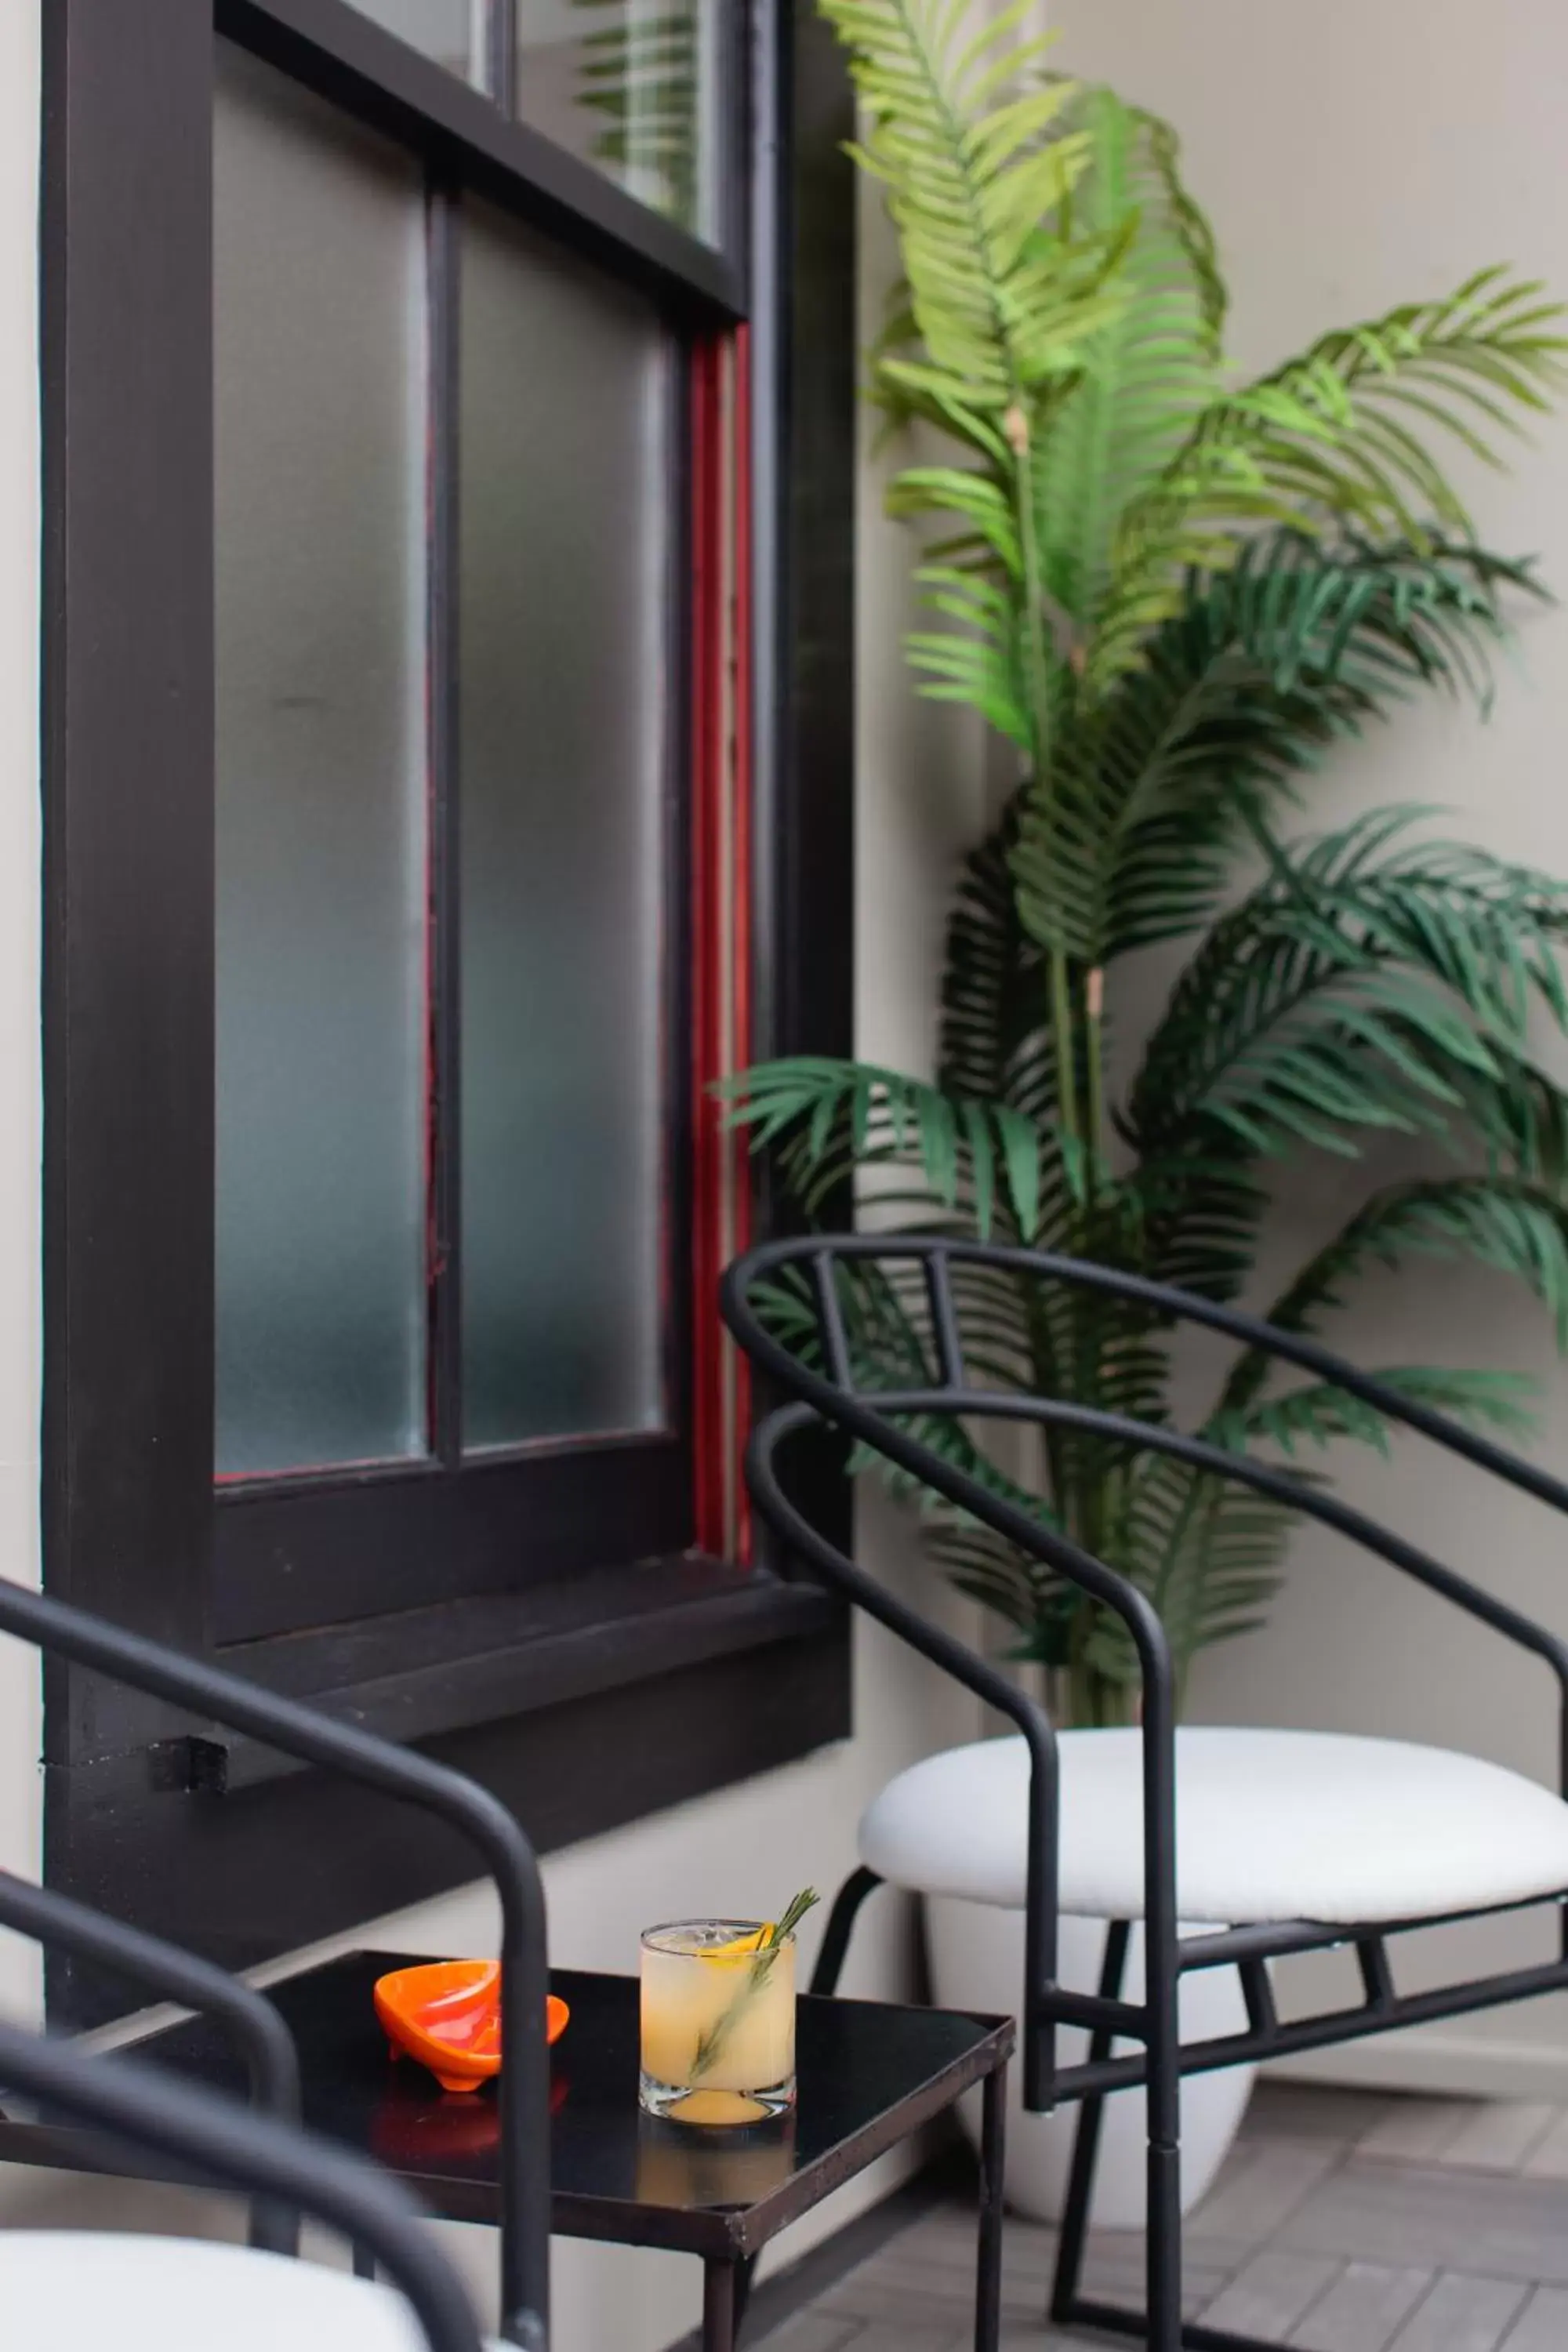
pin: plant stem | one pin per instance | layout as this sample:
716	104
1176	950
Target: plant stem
1064	1043
1037	664
1016	427
1094	1041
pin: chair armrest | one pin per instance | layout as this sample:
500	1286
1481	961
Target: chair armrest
256	2155
953	1657
165	1969
54	1627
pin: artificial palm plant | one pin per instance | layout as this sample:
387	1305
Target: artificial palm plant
1174	594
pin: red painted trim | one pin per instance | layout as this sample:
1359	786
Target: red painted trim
742	884
720	883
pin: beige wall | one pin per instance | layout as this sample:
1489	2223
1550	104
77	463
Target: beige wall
1352	156
745	1848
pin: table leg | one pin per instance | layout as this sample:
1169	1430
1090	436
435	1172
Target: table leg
720	2305
988	2278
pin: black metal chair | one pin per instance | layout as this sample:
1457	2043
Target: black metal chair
169	1973
214	1696
1516	1855
65	2291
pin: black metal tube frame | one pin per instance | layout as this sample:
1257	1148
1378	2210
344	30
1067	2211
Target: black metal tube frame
265	2043
52	1626
834	1398
361	64
259	2156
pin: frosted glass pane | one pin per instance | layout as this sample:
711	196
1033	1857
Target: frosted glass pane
565	425
631	86
320	795
450	31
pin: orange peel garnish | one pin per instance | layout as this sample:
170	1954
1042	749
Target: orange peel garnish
740	1947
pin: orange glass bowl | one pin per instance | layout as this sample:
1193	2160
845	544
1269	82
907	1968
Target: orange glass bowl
446	2014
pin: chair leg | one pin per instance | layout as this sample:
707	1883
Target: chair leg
1160	2323
1064	2304
840	1925
1163	2098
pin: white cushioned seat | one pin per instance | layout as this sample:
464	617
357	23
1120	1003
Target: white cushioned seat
1270	1825
70	2291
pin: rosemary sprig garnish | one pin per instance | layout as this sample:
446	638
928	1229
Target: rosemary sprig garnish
709	2045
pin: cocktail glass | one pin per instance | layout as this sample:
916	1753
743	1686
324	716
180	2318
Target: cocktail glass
718	2022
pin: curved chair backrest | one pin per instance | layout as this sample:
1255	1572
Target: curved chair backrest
169	1973
878	1417
873	1413
256	2155
55	1627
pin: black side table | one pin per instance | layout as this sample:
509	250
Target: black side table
870	2074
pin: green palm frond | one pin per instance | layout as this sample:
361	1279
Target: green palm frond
1341	431
885	1316
977	653
1222	1567
994	1042
1207	1552
827	1117
1317	1413
1148	374
967	136
1201	1212
1238	696
1011	1583
1353	990
1505	1223
957	124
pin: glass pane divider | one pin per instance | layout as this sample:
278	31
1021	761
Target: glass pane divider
500	62
352	61
444	980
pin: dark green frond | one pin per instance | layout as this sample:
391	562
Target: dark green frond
1202	1214
825	1118
1366	983
1504	1222
1238	696
993	1043
1315	1414
1207	1552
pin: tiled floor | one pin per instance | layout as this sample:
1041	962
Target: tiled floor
1344	2221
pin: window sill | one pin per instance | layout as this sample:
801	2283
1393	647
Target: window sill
585	1707
490	1660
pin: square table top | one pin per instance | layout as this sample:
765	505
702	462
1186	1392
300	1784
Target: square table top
869	2073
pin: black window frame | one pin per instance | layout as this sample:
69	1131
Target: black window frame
628	1670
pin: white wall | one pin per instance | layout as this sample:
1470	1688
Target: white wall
20	1127
1352	156
745	1848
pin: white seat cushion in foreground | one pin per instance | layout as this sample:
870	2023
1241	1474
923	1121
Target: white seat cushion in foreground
70	2291
1269	1825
